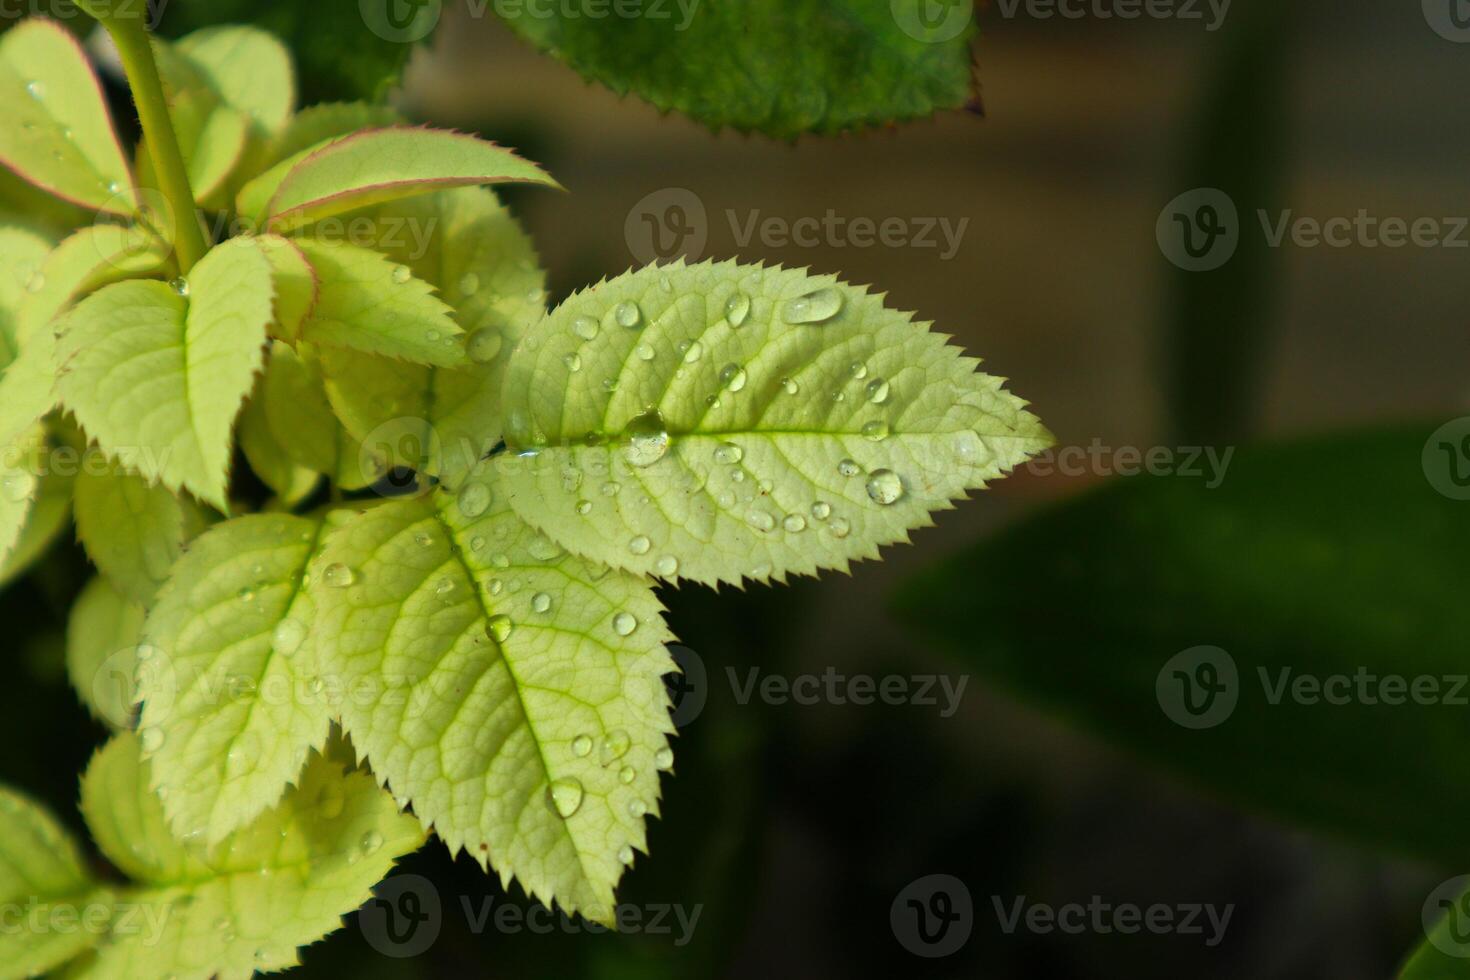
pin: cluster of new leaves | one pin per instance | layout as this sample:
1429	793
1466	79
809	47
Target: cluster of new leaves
483	629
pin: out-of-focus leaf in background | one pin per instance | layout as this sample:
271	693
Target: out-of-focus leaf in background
1333	556
339	56
780	67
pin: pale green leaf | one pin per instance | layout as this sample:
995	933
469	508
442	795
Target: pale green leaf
299	420
295	284
21	255
45	521
268	457
727	421
133	530
20	484
438	420
55	130
283	882
377	165
231	698
313	125
54	905
87	260
249	68
512	683
367	302
157	379
102	637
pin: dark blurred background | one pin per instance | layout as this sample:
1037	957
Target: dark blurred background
791	830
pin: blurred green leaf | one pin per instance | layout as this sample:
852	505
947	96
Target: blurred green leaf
781	67
1320	558
1432	960
339	56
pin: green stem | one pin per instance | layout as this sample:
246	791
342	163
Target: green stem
131	38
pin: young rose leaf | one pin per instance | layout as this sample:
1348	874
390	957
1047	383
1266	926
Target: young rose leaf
519	696
249	68
344	49
717	421
781	67
442	421
157	378
133	530
284	881
298	418
41	870
55	130
378	165
20	485
268	457
91	258
367	302
102	637
45	521
229	700
295	282
314	125
21	255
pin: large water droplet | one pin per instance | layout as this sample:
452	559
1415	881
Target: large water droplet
878	391
624	623
645	352
794	523
152	739
640	545
664	758
693	352
564	796
484	345
371	841
338	576
637	808
584	327
628	314
884	487
815	307
761	520
474	499
402	274
288	636
667	566
876	430
179	286
733	377
573	362
821	510
790	386
848	468
499	627
737	308
582	746
840	528
727	453
625	854
626	775
647	439
614	747
541	602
